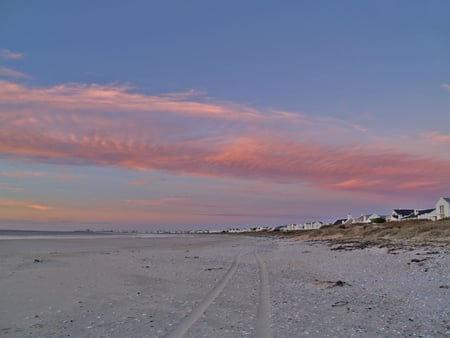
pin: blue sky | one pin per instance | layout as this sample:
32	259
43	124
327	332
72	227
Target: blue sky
281	97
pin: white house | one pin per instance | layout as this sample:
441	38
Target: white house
441	211
399	214
428	214
366	218
291	227
348	220
313	225
443	208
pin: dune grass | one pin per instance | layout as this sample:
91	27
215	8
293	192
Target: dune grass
417	230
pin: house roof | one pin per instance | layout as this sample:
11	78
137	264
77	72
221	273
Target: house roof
447	199
412	216
404	212
340	221
424	211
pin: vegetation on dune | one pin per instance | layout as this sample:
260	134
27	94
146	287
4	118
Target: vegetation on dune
422	230
362	235
379	220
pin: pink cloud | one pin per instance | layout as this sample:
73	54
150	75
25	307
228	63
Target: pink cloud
141	183
438	138
10	55
162	201
245	157
10	187
110	125
64	177
39	207
260	188
339	168
358	184
117	98
17	174
446	86
24	204
11	72
144	202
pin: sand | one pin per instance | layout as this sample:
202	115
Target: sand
219	286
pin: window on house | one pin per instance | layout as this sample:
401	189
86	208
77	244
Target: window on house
441	209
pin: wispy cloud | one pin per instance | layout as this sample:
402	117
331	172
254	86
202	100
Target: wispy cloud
438	138
140	183
162	201
10	55
446	86
111	125
10	187
39	207
5	71
24	204
19	174
60	176
118	98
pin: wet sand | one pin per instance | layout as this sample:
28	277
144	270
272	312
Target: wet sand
219	286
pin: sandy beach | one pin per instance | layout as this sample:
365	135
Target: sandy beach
220	286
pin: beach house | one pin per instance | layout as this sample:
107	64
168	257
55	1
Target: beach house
428	214
399	214
313	225
366	218
443	208
405	214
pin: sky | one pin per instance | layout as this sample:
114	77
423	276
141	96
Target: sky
179	115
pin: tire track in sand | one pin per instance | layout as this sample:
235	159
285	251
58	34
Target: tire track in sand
197	312
264	312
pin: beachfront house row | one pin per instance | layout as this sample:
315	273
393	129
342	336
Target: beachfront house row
443	208
441	211
406	214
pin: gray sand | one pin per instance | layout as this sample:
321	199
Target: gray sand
219	286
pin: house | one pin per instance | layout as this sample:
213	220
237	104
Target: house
399	214
348	220
366	218
428	214
313	225
405	214
443	208
340	221
292	227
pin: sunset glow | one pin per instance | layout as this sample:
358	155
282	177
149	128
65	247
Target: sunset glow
154	139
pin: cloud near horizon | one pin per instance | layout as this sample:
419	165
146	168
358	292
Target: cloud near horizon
161	201
19	174
140	183
24	204
438	138
190	134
